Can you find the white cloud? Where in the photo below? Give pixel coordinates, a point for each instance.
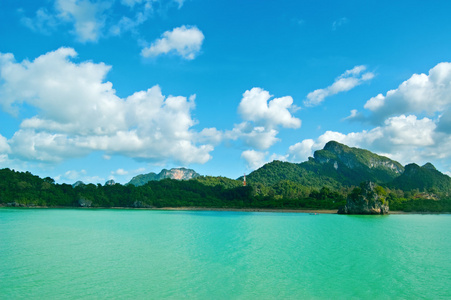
(403, 138)
(142, 10)
(185, 41)
(73, 175)
(254, 106)
(78, 112)
(210, 136)
(345, 82)
(87, 17)
(254, 159)
(4, 147)
(408, 130)
(444, 122)
(120, 172)
(355, 116)
(301, 151)
(421, 93)
(256, 137)
(262, 119)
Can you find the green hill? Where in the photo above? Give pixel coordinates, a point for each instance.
(336, 165)
(425, 178)
(323, 182)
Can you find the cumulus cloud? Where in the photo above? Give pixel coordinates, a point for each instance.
(421, 93)
(262, 119)
(78, 112)
(403, 138)
(120, 172)
(4, 146)
(254, 159)
(355, 116)
(210, 136)
(74, 175)
(254, 106)
(87, 17)
(345, 82)
(413, 120)
(185, 41)
(256, 137)
(301, 151)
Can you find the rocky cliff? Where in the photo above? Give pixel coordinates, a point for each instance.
(175, 173)
(335, 153)
(368, 199)
(354, 165)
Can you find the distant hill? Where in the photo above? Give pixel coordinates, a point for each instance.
(325, 181)
(175, 173)
(351, 166)
(334, 166)
(422, 178)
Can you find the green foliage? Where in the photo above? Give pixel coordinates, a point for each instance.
(277, 171)
(323, 182)
(425, 178)
(225, 182)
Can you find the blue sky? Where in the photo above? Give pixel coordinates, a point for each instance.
(96, 90)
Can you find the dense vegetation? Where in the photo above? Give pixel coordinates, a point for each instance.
(25, 189)
(323, 182)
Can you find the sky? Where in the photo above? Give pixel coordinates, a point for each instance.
(94, 90)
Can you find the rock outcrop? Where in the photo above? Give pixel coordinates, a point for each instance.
(356, 158)
(175, 173)
(369, 199)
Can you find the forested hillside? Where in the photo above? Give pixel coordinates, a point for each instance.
(323, 182)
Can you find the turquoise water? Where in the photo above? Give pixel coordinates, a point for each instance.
(141, 254)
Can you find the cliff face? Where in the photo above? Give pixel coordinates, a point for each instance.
(366, 200)
(353, 158)
(348, 162)
(178, 174)
(175, 173)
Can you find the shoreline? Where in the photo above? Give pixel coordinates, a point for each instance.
(195, 208)
(188, 208)
(317, 211)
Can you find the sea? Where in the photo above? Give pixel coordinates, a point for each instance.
(154, 254)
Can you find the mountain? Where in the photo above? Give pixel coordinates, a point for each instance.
(175, 173)
(422, 178)
(334, 166)
(351, 166)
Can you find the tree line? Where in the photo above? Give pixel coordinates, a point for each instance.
(26, 189)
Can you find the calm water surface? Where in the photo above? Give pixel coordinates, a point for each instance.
(138, 254)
